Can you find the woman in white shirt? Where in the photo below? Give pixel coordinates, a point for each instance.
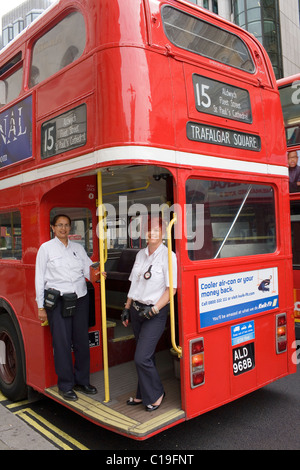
(63, 265)
(147, 307)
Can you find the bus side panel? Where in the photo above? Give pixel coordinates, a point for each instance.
(274, 132)
(141, 118)
(40, 372)
(61, 88)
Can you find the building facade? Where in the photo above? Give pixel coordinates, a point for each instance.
(275, 23)
(18, 18)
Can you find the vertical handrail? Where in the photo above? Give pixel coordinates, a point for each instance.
(101, 216)
(178, 349)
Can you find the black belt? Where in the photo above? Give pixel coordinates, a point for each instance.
(138, 305)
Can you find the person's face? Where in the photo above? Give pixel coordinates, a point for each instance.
(62, 228)
(154, 234)
(292, 159)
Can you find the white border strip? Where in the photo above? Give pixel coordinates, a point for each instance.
(134, 152)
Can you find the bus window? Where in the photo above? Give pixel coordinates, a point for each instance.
(198, 36)
(10, 231)
(58, 48)
(81, 230)
(226, 219)
(295, 220)
(116, 233)
(11, 82)
(290, 102)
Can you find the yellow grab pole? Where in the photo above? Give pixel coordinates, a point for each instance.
(101, 220)
(178, 349)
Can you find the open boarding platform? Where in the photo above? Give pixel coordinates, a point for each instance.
(116, 415)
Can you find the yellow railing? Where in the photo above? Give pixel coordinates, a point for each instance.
(178, 349)
(102, 257)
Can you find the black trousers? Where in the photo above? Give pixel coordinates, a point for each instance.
(68, 333)
(147, 334)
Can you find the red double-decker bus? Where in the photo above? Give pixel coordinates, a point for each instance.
(289, 89)
(111, 110)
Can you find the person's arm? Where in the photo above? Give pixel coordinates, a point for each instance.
(164, 300)
(125, 312)
(40, 268)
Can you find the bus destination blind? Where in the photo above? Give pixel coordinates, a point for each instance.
(64, 132)
(220, 99)
(220, 136)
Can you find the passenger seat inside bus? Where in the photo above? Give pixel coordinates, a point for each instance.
(124, 266)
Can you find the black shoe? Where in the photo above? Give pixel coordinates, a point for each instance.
(88, 389)
(132, 402)
(69, 395)
(155, 407)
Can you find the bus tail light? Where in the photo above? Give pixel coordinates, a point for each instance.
(197, 362)
(281, 337)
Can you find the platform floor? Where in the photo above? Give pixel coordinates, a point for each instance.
(116, 415)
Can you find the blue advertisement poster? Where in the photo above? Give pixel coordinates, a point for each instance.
(238, 295)
(16, 133)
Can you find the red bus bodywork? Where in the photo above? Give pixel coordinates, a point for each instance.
(136, 87)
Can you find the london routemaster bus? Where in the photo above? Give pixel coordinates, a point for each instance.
(289, 89)
(112, 110)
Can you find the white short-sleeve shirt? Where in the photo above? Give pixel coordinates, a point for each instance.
(149, 291)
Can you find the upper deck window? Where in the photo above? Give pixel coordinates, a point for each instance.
(198, 36)
(11, 75)
(58, 48)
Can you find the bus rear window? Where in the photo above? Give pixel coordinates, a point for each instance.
(229, 219)
(198, 36)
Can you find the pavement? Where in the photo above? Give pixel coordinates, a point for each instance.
(15, 434)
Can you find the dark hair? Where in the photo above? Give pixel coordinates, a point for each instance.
(56, 217)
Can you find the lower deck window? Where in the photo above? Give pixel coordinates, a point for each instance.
(11, 239)
(229, 219)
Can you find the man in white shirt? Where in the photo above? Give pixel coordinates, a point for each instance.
(63, 265)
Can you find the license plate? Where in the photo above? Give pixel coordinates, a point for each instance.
(243, 359)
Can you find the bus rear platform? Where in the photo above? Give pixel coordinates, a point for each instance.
(116, 415)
